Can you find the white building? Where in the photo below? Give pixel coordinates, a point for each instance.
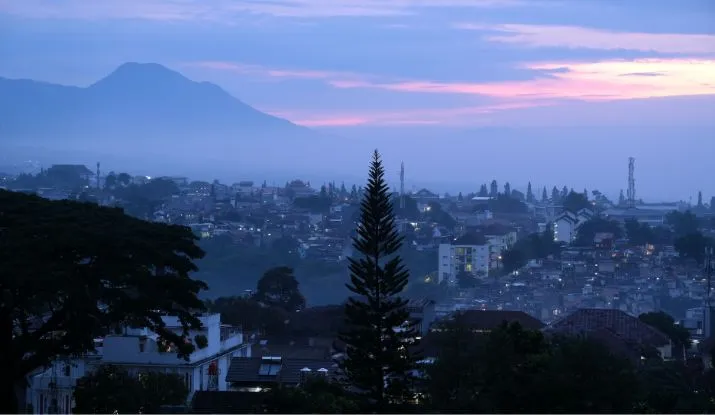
(137, 351)
(470, 253)
(566, 225)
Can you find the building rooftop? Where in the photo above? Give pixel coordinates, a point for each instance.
(471, 238)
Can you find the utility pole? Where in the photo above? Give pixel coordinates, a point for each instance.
(708, 307)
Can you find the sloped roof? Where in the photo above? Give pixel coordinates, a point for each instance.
(425, 193)
(492, 319)
(629, 328)
(567, 216)
(246, 369)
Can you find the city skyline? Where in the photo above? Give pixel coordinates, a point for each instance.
(604, 79)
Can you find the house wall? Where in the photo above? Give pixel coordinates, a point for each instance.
(456, 258)
(564, 231)
(125, 351)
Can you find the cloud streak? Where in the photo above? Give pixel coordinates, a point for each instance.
(225, 10)
(471, 115)
(595, 81)
(585, 81)
(264, 72)
(573, 37)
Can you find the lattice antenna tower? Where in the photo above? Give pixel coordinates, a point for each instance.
(402, 186)
(98, 187)
(631, 195)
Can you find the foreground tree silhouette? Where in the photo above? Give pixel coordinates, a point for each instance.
(70, 272)
(378, 363)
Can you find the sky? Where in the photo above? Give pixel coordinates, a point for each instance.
(579, 84)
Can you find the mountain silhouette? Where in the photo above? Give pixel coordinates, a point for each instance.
(138, 103)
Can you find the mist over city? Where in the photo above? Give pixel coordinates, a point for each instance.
(374, 206)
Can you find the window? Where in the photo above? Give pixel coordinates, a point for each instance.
(67, 370)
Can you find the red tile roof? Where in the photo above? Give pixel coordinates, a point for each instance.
(627, 327)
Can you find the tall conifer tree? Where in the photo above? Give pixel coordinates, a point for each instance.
(529, 194)
(378, 361)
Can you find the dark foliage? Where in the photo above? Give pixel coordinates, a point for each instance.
(512, 370)
(250, 315)
(315, 396)
(279, 288)
(110, 389)
(436, 214)
(692, 246)
(588, 230)
(314, 204)
(575, 201)
(533, 246)
(682, 223)
(71, 271)
(639, 233)
(506, 204)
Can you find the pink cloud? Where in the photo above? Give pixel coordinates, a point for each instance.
(653, 112)
(473, 115)
(581, 37)
(226, 10)
(586, 81)
(567, 82)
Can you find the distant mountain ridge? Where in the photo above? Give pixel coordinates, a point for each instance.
(137, 103)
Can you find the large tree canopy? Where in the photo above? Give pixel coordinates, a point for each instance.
(279, 288)
(71, 271)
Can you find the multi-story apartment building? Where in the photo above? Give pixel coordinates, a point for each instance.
(471, 253)
(137, 351)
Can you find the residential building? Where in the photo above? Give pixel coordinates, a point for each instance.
(469, 253)
(653, 216)
(259, 374)
(137, 351)
(567, 223)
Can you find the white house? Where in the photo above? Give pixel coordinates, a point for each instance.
(566, 225)
(470, 253)
(565, 228)
(137, 351)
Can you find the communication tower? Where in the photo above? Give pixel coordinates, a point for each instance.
(631, 195)
(402, 186)
(97, 175)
